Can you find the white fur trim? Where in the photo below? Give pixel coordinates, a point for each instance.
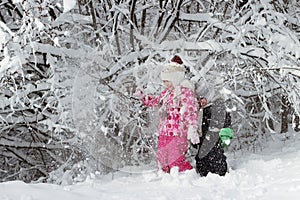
(175, 77)
(173, 72)
(173, 67)
(188, 84)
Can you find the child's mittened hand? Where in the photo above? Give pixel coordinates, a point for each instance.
(193, 135)
(195, 140)
(139, 93)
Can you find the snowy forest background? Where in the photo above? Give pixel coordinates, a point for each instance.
(69, 69)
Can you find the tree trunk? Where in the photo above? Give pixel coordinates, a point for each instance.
(297, 123)
(116, 34)
(284, 114)
(132, 18)
(94, 18)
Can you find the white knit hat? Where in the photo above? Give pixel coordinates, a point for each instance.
(173, 72)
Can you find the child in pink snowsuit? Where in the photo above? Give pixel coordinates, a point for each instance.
(178, 118)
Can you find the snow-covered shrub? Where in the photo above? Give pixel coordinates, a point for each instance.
(36, 137)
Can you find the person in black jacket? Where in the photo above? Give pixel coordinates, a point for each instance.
(210, 156)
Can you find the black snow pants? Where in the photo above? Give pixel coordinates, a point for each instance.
(213, 162)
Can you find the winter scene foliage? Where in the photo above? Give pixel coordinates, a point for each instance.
(69, 70)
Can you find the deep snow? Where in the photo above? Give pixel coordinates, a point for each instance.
(273, 173)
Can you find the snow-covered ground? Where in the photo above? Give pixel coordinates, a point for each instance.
(273, 174)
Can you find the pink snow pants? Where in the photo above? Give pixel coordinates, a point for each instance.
(171, 152)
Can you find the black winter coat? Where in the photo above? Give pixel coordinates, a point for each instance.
(210, 156)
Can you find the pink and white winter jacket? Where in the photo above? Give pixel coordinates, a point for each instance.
(178, 113)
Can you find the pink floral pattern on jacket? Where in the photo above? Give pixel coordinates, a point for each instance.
(177, 113)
